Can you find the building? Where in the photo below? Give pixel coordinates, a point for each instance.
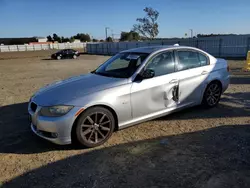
(41, 39)
(76, 41)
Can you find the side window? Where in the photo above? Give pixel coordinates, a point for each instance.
(191, 59)
(203, 59)
(162, 63)
(188, 60)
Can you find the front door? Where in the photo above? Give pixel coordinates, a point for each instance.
(157, 94)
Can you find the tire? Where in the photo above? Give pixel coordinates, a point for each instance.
(58, 57)
(212, 94)
(94, 127)
(74, 56)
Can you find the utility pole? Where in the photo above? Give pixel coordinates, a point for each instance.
(106, 32)
(191, 33)
(112, 34)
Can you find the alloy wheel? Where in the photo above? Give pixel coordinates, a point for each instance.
(213, 94)
(95, 127)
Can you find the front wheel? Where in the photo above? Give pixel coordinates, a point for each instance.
(58, 57)
(74, 56)
(212, 94)
(94, 127)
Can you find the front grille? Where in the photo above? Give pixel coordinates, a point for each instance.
(33, 107)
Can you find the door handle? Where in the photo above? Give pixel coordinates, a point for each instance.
(174, 81)
(204, 72)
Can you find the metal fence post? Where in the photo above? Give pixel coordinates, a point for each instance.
(107, 49)
(220, 45)
(117, 47)
(197, 43)
(248, 45)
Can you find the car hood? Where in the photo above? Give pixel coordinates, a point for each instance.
(62, 92)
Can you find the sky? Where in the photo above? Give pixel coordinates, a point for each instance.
(27, 18)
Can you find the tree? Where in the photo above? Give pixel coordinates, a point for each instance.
(49, 38)
(213, 35)
(147, 26)
(129, 36)
(95, 40)
(101, 40)
(82, 37)
(65, 39)
(109, 39)
(71, 39)
(56, 38)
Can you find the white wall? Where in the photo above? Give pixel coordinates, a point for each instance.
(42, 40)
(37, 47)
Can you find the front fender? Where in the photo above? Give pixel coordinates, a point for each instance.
(117, 98)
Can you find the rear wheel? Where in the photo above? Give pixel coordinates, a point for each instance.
(74, 56)
(94, 127)
(212, 94)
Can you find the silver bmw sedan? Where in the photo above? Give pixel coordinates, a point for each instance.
(131, 87)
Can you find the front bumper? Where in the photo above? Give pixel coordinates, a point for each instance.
(53, 129)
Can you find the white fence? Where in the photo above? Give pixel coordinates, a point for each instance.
(220, 46)
(36, 47)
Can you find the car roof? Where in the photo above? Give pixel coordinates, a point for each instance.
(66, 49)
(151, 49)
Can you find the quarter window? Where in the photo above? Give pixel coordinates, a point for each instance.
(191, 59)
(203, 59)
(162, 63)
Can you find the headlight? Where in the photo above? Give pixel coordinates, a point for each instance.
(31, 97)
(55, 111)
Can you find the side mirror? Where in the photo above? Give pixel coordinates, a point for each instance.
(148, 73)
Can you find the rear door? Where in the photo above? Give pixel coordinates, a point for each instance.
(194, 67)
(71, 53)
(63, 54)
(67, 54)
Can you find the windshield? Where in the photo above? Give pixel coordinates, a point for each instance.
(122, 65)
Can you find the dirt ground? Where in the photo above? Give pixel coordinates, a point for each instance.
(196, 147)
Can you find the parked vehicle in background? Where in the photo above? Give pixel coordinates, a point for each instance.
(65, 54)
(131, 87)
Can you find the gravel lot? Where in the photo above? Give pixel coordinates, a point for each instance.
(192, 148)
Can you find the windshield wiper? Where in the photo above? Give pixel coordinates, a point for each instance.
(101, 73)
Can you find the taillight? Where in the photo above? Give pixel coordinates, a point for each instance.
(228, 69)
